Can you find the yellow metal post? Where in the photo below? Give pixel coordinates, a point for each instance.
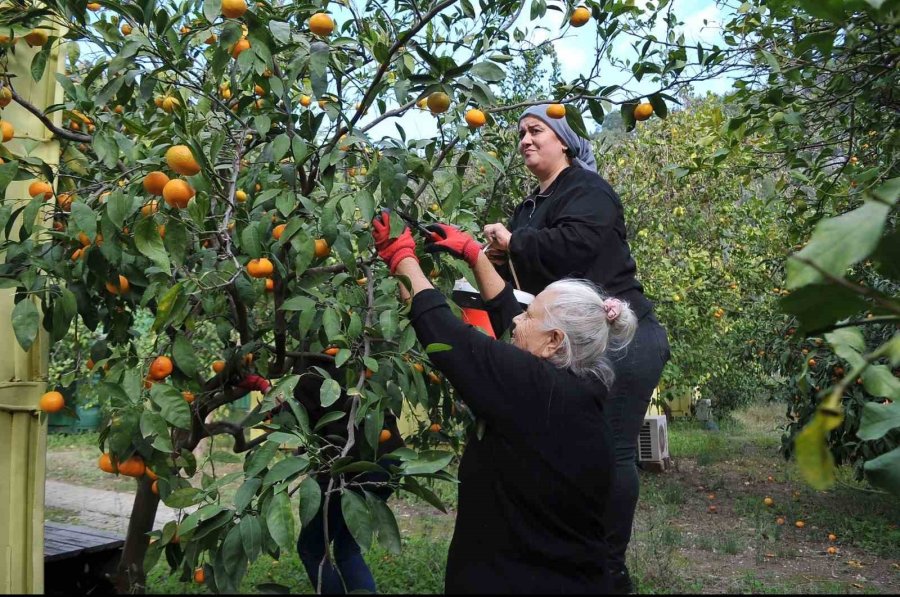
(23, 436)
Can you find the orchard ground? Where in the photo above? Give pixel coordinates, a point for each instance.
(681, 544)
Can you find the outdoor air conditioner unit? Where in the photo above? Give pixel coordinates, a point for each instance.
(653, 441)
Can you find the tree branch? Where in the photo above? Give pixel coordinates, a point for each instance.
(59, 132)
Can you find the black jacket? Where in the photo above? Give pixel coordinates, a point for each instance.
(575, 229)
(534, 487)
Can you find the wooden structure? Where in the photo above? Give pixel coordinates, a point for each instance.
(79, 559)
(23, 432)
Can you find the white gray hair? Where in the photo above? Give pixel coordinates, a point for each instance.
(577, 309)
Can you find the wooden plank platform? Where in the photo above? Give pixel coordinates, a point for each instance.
(79, 559)
(63, 541)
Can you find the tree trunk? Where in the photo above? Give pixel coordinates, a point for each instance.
(131, 576)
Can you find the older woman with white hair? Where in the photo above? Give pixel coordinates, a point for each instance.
(573, 225)
(533, 487)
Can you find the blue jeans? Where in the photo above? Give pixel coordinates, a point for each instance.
(347, 557)
(348, 563)
(637, 374)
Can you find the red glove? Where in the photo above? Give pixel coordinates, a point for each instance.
(392, 250)
(451, 239)
(254, 383)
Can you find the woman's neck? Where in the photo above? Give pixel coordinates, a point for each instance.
(545, 181)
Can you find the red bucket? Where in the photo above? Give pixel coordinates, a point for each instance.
(473, 313)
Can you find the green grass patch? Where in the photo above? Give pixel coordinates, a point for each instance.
(419, 569)
(72, 441)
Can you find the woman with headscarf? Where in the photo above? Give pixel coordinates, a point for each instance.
(573, 225)
(534, 485)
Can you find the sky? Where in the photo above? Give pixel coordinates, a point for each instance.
(575, 52)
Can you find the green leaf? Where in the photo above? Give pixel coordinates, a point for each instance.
(286, 468)
(878, 419)
(837, 243)
(149, 242)
(659, 105)
(154, 429)
(184, 497)
(232, 551)
(85, 219)
(251, 536)
(814, 459)
(260, 458)
(280, 521)
(173, 407)
(25, 322)
(818, 306)
(318, 63)
(211, 9)
(39, 62)
(428, 462)
(358, 518)
(245, 493)
(437, 347)
(119, 207)
(879, 381)
(250, 242)
(310, 495)
(329, 392)
(488, 71)
(385, 525)
(8, 173)
(884, 471)
(185, 356)
(298, 303)
(573, 117)
(329, 418)
(280, 31)
(389, 321)
(331, 323)
(889, 191)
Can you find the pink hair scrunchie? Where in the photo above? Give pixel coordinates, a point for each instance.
(613, 308)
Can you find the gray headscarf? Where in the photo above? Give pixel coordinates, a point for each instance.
(579, 148)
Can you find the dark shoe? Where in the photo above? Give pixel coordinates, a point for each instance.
(621, 583)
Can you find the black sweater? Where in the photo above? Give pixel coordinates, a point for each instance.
(532, 490)
(575, 229)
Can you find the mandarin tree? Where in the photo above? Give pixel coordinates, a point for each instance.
(214, 113)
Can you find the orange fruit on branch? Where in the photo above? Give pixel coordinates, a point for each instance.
(122, 288)
(155, 182)
(126, 29)
(188, 396)
(40, 187)
(199, 576)
(438, 102)
(278, 231)
(643, 111)
(178, 193)
(133, 467)
(7, 130)
(580, 16)
(105, 463)
(270, 285)
(321, 24)
(240, 46)
(154, 487)
(384, 436)
(218, 366)
(260, 268)
(52, 402)
(435, 428)
(149, 208)
(181, 159)
(556, 111)
(232, 9)
(36, 38)
(161, 368)
(332, 350)
(322, 248)
(475, 118)
(305, 101)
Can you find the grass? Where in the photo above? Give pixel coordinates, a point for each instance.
(419, 569)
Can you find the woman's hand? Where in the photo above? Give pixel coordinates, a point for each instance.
(392, 250)
(498, 237)
(451, 239)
